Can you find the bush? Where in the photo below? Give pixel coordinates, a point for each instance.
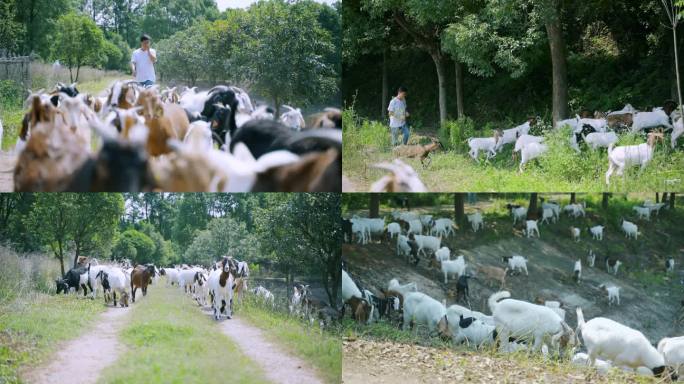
(454, 133)
(10, 93)
(21, 275)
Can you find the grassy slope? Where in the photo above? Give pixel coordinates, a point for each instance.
(323, 350)
(561, 169)
(170, 340)
(31, 327)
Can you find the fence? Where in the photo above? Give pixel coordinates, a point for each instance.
(16, 68)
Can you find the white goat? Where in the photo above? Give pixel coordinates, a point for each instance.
(531, 151)
(523, 320)
(656, 118)
(669, 265)
(597, 232)
(472, 331)
(623, 346)
(423, 309)
(576, 210)
(427, 242)
(510, 135)
(531, 227)
(403, 179)
(672, 349)
(591, 258)
(577, 270)
(642, 213)
(524, 140)
(600, 139)
(415, 227)
(442, 228)
(581, 359)
(403, 247)
(623, 157)
(486, 144)
(519, 214)
(572, 123)
(630, 229)
(547, 213)
(442, 254)
(516, 262)
(454, 312)
(222, 295)
(556, 307)
(264, 294)
(553, 207)
(394, 285)
(293, 118)
(677, 131)
(456, 266)
(393, 229)
(613, 293)
(476, 221)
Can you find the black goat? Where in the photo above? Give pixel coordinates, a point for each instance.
(72, 279)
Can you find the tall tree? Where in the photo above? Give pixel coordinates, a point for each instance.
(374, 207)
(78, 42)
(533, 210)
(554, 30)
(459, 211)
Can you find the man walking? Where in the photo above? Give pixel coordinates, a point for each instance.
(398, 115)
(142, 62)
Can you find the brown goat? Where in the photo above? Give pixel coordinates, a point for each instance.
(314, 172)
(140, 277)
(165, 121)
(623, 120)
(494, 273)
(329, 118)
(52, 154)
(422, 151)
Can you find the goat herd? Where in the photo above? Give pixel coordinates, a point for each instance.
(600, 131)
(215, 287)
(514, 324)
(172, 140)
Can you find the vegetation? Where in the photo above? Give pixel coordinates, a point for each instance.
(560, 169)
(322, 349)
(32, 322)
(163, 339)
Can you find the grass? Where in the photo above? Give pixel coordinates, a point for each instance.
(170, 340)
(310, 343)
(561, 169)
(31, 328)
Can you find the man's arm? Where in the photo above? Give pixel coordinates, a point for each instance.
(133, 69)
(153, 55)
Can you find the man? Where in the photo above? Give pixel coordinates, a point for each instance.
(142, 62)
(398, 115)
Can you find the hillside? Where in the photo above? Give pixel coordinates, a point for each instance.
(650, 299)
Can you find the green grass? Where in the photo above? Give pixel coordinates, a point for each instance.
(170, 340)
(310, 343)
(560, 169)
(31, 327)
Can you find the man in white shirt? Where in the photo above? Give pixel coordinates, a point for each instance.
(142, 62)
(398, 115)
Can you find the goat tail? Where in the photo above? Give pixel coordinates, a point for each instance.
(494, 299)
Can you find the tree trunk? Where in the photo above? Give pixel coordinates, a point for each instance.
(554, 31)
(78, 70)
(458, 207)
(71, 75)
(673, 197)
(76, 254)
(573, 198)
(604, 202)
(664, 198)
(679, 88)
(60, 256)
(657, 198)
(438, 59)
(385, 86)
(532, 211)
(460, 112)
(374, 205)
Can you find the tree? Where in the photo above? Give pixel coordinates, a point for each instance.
(223, 237)
(11, 31)
(673, 10)
(532, 210)
(135, 246)
(554, 31)
(459, 211)
(164, 18)
(374, 210)
(605, 199)
(67, 220)
(78, 42)
(283, 53)
(183, 53)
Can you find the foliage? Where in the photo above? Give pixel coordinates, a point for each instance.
(135, 246)
(223, 237)
(453, 134)
(78, 42)
(11, 31)
(162, 19)
(183, 53)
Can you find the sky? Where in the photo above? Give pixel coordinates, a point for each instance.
(223, 4)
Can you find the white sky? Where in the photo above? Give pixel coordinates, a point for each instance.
(223, 4)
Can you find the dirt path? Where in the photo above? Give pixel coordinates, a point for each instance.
(7, 162)
(80, 361)
(278, 365)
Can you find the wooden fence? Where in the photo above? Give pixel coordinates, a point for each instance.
(16, 68)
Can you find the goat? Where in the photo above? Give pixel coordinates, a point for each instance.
(519, 213)
(656, 118)
(623, 346)
(402, 179)
(672, 349)
(329, 118)
(456, 266)
(393, 229)
(613, 293)
(476, 221)
(418, 151)
(426, 242)
(596, 232)
(264, 294)
(140, 277)
(622, 157)
(600, 139)
(221, 283)
(630, 229)
(577, 271)
(612, 265)
(293, 118)
(547, 213)
(362, 309)
(531, 227)
(510, 135)
(575, 233)
(421, 308)
(642, 213)
(669, 265)
(531, 151)
(516, 262)
(487, 144)
(524, 320)
(443, 227)
(114, 280)
(494, 273)
(462, 288)
(677, 131)
(165, 121)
